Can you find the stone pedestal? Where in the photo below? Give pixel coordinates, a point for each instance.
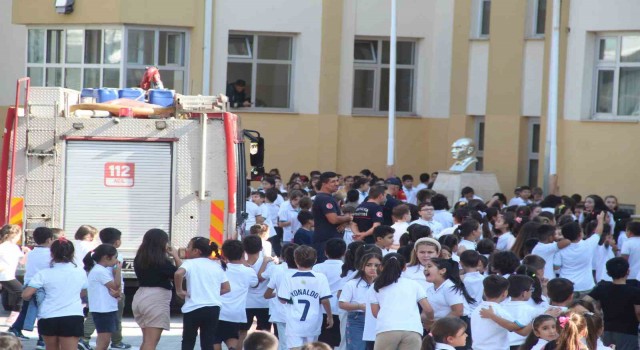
(451, 183)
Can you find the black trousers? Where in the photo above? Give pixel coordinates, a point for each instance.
(204, 319)
(13, 289)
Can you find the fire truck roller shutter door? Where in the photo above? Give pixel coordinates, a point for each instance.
(126, 185)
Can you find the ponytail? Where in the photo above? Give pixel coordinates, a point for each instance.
(208, 249)
(594, 325)
(441, 330)
(527, 270)
(453, 274)
(392, 266)
(93, 257)
(571, 324)
(466, 228)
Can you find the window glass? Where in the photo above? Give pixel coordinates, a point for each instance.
(74, 46)
(111, 77)
(274, 48)
(404, 90)
(630, 50)
(140, 47)
(91, 78)
(485, 22)
(134, 76)
(533, 172)
(629, 91)
(54, 77)
(72, 78)
(481, 136)
(37, 76)
(112, 46)
(363, 88)
(541, 16)
(608, 47)
(272, 85)
(92, 46)
(35, 47)
(365, 50)
(404, 52)
(173, 79)
(240, 45)
(535, 139)
(54, 47)
(171, 48)
(604, 103)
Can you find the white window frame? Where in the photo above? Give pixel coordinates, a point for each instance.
(377, 66)
(479, 120)
(615, 66)
(531, 155)
(254, 60)
(122, 66)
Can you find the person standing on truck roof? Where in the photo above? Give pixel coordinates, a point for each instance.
(155, 272)
(326, 213)
(10, 255)
(237, 95)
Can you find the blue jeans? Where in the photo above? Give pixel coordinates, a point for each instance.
(355, 328)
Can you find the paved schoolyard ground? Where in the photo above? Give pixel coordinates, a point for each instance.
(171, 340)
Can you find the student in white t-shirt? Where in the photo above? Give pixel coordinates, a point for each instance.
(304, 293)
(206, 282)
(383, 236)
(503, 227)
(271, 208)
(83, 243)
(276, 274)
(334, 250)
(472, 278)
(38, 259)
(288, 216)
(544, 331)
(447, 333)
(490, 322)
(401, 216)
(353, 299)
(631, 251)
(232, 312)
(547, 248)
(520, 290)
(423, 251)
(441, 212)
(10, 255)
(605, 251)
(257, 305)
(469, 232)
(392, 293)
(575, 261)
(426, 219)
(60, 311)
(448, 294)
(105, 281)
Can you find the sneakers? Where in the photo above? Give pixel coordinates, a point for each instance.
(84, 345)
(17, 333)
(120, 346)
(40, 345)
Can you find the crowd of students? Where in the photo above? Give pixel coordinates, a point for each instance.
(389, 266)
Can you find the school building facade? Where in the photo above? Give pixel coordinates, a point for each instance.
(317, 72)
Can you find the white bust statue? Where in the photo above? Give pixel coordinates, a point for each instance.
(464, 152)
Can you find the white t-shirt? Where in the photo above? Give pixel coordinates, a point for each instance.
(524, 313)
(435, 226)
(505, 241)
(270, 216)
(370, 322)
(204, 277)
(81, 249)
(603, 254)
(275, 274)
(99, 298)
(547, 251)
(443, 298)
(304, 291)
(542, 307)
(632, 248)
(575, 263)
(399, 306)
(622, 238)
(255, 297)
(287, 213)
(10, 255)
(332, 269)
(252, 210)
(475, 288)
(400, 228)
(416, 273)
(444, 217)
(468, 245)
(38, 259)
(234, 303)
(488, 335)
(448, 230)
(518, 201)
(62, 285)
(355, 291)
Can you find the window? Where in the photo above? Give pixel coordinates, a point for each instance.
(533, 148)
(485, 18)
(93, 57)
(617, 78)
(371, 76)
(265, 63)
(479, 139)
(540, 17)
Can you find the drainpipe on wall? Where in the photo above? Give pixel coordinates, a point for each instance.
(206, 49)
(551, 149)
(392, 91)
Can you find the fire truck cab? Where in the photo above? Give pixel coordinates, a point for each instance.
(184, 174)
